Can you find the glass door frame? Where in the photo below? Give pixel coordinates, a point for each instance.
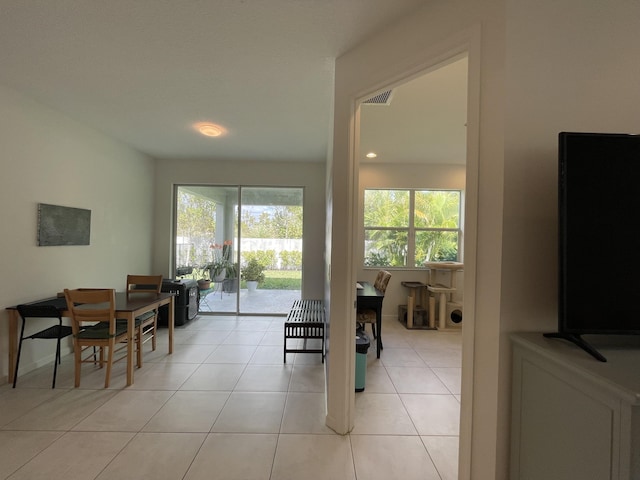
(217, 300)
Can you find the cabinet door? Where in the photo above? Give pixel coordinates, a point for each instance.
(564, 432)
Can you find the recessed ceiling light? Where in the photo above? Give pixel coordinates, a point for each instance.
(210, 129)
(371, 155)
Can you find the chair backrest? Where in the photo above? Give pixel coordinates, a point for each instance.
(38, 311)
(144, 283)
(382, 280)
(88, 306)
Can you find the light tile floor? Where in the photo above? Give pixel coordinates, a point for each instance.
(224, 406)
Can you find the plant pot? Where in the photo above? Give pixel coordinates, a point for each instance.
(204, 284)
(252, 285)
(220, 277)
(230, 285)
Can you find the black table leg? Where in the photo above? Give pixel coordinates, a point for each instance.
(379, 331)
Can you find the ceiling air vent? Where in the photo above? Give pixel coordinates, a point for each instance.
(383, 98)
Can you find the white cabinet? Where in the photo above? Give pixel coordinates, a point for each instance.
(574, 417)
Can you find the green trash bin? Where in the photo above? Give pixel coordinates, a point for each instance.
(362, 347)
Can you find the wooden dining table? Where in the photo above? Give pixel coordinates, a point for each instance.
(128, 307)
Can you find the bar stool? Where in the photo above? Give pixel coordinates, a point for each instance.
(57, 332)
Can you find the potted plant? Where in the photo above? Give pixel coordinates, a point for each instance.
(202, 275)
(232, 270)
(230, 283)
(253, 274)
(217, 270)
(221, 265)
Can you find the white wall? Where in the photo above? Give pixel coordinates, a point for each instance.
(544, 67)
(572, 65)
(401, 176)
(310, 176)
(48, 158)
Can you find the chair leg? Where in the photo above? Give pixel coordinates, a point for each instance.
(77, 355)
(138, 341)
(15, 373)
(155, 331)
(107, 376)
(55, 364)
(102, 357)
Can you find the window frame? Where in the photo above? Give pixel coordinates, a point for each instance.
(411, 230)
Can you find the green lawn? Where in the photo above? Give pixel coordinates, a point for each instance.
(274, 279)
(280, 280)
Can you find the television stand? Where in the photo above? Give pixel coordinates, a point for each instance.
(579, 341)
(572, 417)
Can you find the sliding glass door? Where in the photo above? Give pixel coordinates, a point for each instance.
(271, 244)
(242, 244)
(206, 248)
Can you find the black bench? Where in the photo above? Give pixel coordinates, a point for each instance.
(305, 321)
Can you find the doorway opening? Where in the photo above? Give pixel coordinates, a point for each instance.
(415, 137)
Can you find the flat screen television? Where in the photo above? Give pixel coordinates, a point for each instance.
(599, 249)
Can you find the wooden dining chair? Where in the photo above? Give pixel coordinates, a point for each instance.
(367, 315)
(146, 324)
(56, 331)
(94, 325)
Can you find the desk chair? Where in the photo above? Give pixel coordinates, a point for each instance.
(146, 324)
(57, 332)
(94, 324)
(365, 316)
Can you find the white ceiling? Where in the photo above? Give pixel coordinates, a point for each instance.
(144, 71)
(424, 120)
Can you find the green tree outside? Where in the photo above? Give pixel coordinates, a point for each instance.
(387, 220)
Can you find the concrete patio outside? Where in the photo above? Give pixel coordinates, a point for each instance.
(260, 301)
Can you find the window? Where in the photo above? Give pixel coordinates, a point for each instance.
(405, 228)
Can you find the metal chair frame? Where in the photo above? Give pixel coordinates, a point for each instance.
(57, 332)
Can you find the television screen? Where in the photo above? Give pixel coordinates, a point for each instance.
(599, 255)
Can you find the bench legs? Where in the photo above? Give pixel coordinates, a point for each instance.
(305, 321)
(296, 332)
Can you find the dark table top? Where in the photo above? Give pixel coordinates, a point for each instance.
(123, 302)
(368, 290)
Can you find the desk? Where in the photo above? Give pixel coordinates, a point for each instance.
(369, 297)
(127, 307)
